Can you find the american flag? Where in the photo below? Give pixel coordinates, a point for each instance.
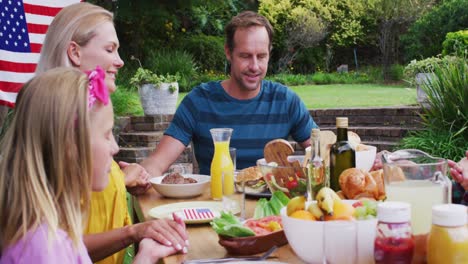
(198, 214)
(23, 24)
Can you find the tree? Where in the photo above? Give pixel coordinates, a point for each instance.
(424, 38)
(394, 17)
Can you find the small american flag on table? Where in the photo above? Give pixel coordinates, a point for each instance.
(197, 213)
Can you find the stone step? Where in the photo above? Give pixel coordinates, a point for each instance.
(382, 145)
(408, 115)
(140, 153)
(140, 139)
(376, 133)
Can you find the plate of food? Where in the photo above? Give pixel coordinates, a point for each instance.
(255, 185)
(176, 185)
(248, 237)
(191, 212)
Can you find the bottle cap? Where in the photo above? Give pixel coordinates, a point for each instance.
(449, 215)
(394, 212)
(342, 122)
(315, 132)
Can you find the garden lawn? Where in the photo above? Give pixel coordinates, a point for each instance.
(314, 96)
(352, 95)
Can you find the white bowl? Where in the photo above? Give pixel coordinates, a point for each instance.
(311, 239)
(365, 158)
(181, 190)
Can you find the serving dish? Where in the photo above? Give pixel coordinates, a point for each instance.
(336, 241)
(253, 244)
(181, 190)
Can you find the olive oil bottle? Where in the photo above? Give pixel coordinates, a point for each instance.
(316, 172)
(342, 154)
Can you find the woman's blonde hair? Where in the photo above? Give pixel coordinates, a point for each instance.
(76, 23)
(45, 166)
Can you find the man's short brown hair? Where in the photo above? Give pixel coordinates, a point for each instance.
(246, 19)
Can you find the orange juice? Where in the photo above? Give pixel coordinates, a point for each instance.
(220, 164)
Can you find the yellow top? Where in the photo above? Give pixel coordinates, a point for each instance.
(108, 210)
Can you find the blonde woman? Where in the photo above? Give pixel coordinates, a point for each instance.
(83, 36)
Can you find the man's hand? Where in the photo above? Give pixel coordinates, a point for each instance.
(459, 171)
(136, 178)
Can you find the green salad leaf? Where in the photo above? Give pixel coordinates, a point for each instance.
(229, 225)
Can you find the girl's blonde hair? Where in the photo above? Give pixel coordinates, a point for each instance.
(45, 163)
(75, 22)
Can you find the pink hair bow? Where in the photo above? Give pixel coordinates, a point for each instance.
(97, 87)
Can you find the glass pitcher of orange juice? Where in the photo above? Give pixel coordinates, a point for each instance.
(221, 165)
(415, 177)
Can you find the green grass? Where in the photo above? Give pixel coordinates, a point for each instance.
(355, 95)
(314, 96)
(352, 95)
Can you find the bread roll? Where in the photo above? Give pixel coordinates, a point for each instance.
(356, 183)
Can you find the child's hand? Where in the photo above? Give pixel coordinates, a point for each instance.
(150, 251)
(136, 178)
(459, 171)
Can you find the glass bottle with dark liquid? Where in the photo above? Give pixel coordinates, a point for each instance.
(342, 154)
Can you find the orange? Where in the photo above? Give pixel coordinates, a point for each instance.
(341, 211)
(303, 214)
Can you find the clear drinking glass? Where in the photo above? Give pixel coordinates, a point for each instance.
(234, 202)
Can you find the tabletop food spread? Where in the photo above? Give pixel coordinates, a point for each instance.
(280, 211)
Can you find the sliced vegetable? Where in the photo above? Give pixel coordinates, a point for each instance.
(272, 207)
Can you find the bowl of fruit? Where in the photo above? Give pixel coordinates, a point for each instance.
(339, 229)
(290, 180)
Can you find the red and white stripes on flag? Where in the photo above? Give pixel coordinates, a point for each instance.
(23, 25)
(198, 214)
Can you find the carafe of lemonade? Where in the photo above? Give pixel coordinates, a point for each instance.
(415, 177)
(221, 165)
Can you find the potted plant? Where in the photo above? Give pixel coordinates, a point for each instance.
(158, 93)
(421, 72)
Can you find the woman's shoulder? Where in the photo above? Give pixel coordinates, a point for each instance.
(38, 246)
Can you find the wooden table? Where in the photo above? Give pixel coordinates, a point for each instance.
(203, 239)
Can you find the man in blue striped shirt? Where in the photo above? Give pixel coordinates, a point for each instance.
(257, 110)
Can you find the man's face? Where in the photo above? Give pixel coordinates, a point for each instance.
(249, 57)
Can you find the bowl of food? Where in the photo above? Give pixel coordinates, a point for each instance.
(288, 179)
(340, 238)
(250, 237)
(365, 156)
(176, 185)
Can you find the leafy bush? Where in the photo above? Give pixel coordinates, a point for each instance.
(456, 43)
(290, 79)
(172, 62)
(424, 38)
(427, 65)
(126, 102)
(447, 97)
(208, 51)
(439, 143)
(396, 72)
(446, 117)
(322, 78)
(207, 76)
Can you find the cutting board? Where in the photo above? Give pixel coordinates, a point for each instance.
(278, 151)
